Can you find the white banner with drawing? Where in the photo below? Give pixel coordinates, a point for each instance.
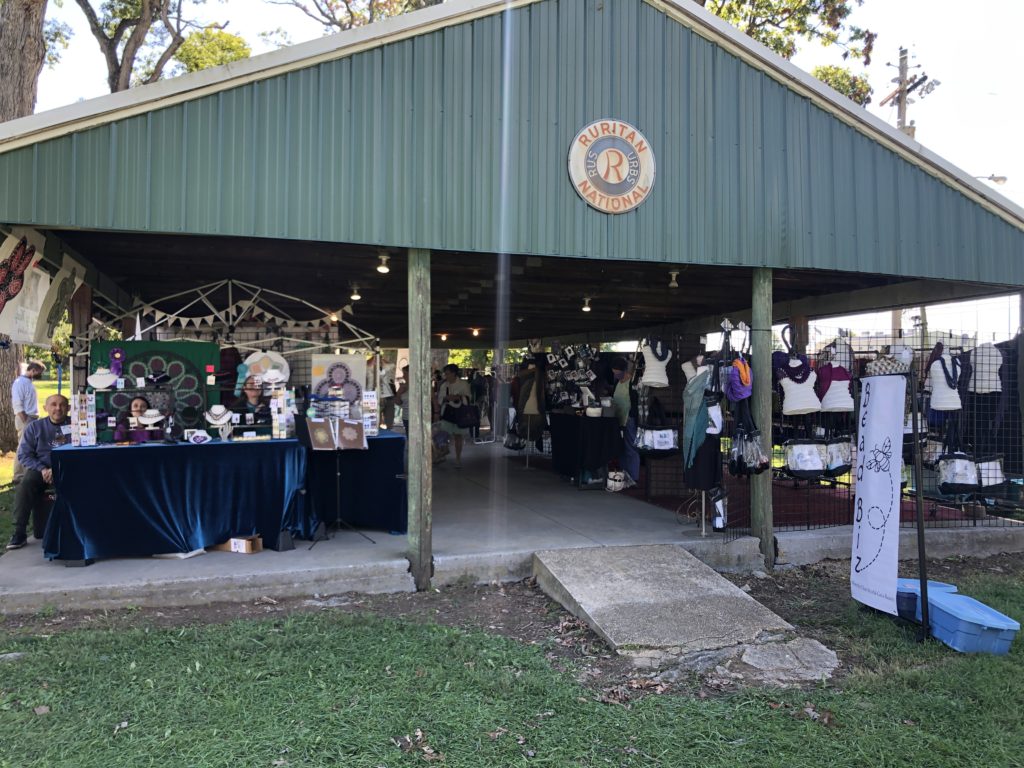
(874, 559)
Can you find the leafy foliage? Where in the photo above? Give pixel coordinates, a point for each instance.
(339, 15)
(211, 47)
(57, 36)
(780, 24)
(854, 87)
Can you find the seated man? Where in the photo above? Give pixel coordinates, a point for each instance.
(40, 437)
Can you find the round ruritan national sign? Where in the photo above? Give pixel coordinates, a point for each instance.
(611, 165)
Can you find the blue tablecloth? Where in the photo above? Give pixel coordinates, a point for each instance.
(373, 494)
(132, 501)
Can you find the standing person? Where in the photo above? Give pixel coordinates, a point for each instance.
(402, 397)
(387, 397)
(26, 406)
(452, 394)
(40, 438)
(625, 401)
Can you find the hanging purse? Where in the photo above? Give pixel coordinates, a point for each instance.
(806, 459)
(655, 433)
(990, 471)
(839, 456)
(957, 471)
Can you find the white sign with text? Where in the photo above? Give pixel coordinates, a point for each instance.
(874, 559)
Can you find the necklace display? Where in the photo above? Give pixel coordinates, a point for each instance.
(796, 373)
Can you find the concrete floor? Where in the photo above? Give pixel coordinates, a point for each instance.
(489, 519)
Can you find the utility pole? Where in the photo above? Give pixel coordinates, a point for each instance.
(905, 85)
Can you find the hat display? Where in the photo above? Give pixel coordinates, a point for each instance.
(261, 363)
(151, 416)
(102, 379)
(274, 376)
(218, 415)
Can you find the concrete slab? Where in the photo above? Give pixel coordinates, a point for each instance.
(656, 598)
(489, 519)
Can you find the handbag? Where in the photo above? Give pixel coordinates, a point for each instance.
(957, 471)
(885, 365)
(514, 442)
(655, 433)
(466, 416)
(806, 459)
(839, 456)
(649, 439)
(990, 471)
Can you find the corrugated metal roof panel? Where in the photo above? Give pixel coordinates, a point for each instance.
(457, 139)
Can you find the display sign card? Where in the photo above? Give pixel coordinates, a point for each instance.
(370, 423)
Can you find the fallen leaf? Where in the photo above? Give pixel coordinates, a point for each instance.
(120, 726)
(909, 722)
(497, 734)
(265, 601)
(42, 710)
(520, 740)
(530, 753)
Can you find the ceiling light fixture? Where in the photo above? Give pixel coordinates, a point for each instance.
(355, 293)
(383, 267)
(622, 314)
(444, 337)
(334, 317)
(672, 282)
(476, 331)
(519, 319)
(586, 304)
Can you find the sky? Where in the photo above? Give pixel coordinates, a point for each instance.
(974, 118)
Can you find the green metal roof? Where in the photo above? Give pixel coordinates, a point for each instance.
(449, 129)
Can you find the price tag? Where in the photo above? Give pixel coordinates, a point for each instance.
(248, 418)
(249, 434)
(111, 422)
(119, 384)
(210, 369)
(133, 422)
(140, 382)
(236, 418)
(211, 380)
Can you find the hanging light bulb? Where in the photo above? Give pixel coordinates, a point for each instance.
(444, 337)
(476, 331)
(334, 317)
(355, 293)
(622, 314)
(586, 304)
(383, 267)
(673, 283)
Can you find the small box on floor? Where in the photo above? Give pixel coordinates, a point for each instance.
(245, 545)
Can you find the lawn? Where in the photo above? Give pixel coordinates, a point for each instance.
(336, 688)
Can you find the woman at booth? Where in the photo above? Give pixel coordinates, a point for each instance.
(134, 424)
(253, 403)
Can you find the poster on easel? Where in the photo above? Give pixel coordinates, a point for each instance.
(339, 375)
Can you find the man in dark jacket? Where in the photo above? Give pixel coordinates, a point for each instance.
(38, 440)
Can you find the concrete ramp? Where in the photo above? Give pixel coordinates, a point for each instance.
(652, 602)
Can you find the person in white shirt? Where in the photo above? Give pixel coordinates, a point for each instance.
(25, 405)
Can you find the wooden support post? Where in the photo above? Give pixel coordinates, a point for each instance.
(761, 403)
(80, 314)
(419, 465)
(801, 332)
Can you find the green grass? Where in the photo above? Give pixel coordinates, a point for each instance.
(334, 689)
(46, 388)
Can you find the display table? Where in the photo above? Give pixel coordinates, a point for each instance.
(583, 443)
(135, 501)
(372, 484)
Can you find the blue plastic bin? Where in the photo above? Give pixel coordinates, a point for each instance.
(970, 626)
(908, 596)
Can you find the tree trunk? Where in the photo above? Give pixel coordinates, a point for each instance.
(9, 371)
(22, 52)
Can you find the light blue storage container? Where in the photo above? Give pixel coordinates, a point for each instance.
(908, 596)
(968, 625)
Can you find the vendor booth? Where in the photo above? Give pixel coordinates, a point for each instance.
(473, 176)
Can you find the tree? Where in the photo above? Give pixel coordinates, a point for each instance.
(854, 87)
(339, 15)
(138, 38)
(781, 24)
(22, 54)
(211, 47)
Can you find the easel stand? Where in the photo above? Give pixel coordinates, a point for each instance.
(337, 498)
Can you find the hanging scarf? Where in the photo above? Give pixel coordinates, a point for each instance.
(695, 416)
(952, 379)
(798, 374)
(659, 349)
